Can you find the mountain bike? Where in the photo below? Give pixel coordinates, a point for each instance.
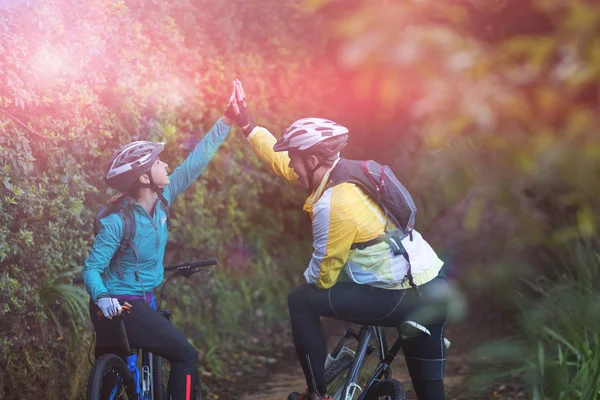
(116, 375)
(343, 364)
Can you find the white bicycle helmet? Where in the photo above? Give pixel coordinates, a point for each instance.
(130, 162)
(317, 135)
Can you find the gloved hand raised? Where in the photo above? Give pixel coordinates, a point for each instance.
(237, 108)
(110, 307)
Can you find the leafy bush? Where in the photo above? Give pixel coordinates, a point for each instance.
(80, 78)
(489, 123)
(492, 123)
(485, 118)
(557, 349)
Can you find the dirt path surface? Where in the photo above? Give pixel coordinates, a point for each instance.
(280, 379)
(278, 385)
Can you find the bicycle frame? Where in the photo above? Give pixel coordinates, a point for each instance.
(364, 349)
(143, 387)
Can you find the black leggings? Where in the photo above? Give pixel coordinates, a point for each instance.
(367, 305)
(148, 329)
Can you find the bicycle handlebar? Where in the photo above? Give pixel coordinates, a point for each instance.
(193, 264)
(186, 269)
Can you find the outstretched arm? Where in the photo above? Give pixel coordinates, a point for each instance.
(194, 164)
(261, 140)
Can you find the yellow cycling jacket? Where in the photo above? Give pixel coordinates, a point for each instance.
(342, 215)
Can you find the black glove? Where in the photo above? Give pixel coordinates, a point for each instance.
(242, 119)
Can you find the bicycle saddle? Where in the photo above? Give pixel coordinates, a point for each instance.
(410, 329)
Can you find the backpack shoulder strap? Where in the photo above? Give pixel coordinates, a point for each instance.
(339, 173)
(357, 172)
(125, 212)
(345, 171)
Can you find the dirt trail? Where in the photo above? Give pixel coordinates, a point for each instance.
(465, 336)
(278, 385)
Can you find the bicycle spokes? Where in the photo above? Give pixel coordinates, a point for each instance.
(113, 388)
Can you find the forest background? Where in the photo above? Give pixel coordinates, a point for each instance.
(488, 111)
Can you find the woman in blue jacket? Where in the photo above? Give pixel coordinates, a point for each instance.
(137, 171)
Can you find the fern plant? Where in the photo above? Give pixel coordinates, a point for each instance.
(557, 350)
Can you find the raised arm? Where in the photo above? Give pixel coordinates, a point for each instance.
(196, 162)
(260, 139)
(262, 142)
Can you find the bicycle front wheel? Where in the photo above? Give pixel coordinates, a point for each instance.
(110, 379)
(338, 368)
(387, 389)
(160, 377)
(336, 374)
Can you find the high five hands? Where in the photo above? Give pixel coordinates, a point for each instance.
(237, 109)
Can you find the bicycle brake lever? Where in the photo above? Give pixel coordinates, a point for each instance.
(188, 272)
(204, 270)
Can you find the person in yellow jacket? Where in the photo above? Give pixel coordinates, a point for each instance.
(364, 285)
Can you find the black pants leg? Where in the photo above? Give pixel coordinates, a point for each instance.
(309, 338)
(426, 357)
(364, 305)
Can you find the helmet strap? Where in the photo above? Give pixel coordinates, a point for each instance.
(310, 172)
(150, 185)
(153, 185)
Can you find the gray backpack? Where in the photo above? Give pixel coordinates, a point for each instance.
(381, 185)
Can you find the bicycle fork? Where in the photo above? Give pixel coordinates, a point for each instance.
(384, 366)
(363, 351)
(143, 387)
(131, 360)
(147, 368)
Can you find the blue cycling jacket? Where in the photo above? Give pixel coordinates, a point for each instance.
(151, 231)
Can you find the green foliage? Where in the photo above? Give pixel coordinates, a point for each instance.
(491, 122)
(510, 123)
(491, 125)
(557, 350)
(79, 79)
(42, 236)
(67, 300)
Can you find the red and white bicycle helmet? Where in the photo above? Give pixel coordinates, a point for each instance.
(130, 162)
(315, 136)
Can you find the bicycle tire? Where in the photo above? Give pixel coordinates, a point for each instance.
(338, 367)
(159, 380)
(108, 371)
(336, 373)
(389, 389)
